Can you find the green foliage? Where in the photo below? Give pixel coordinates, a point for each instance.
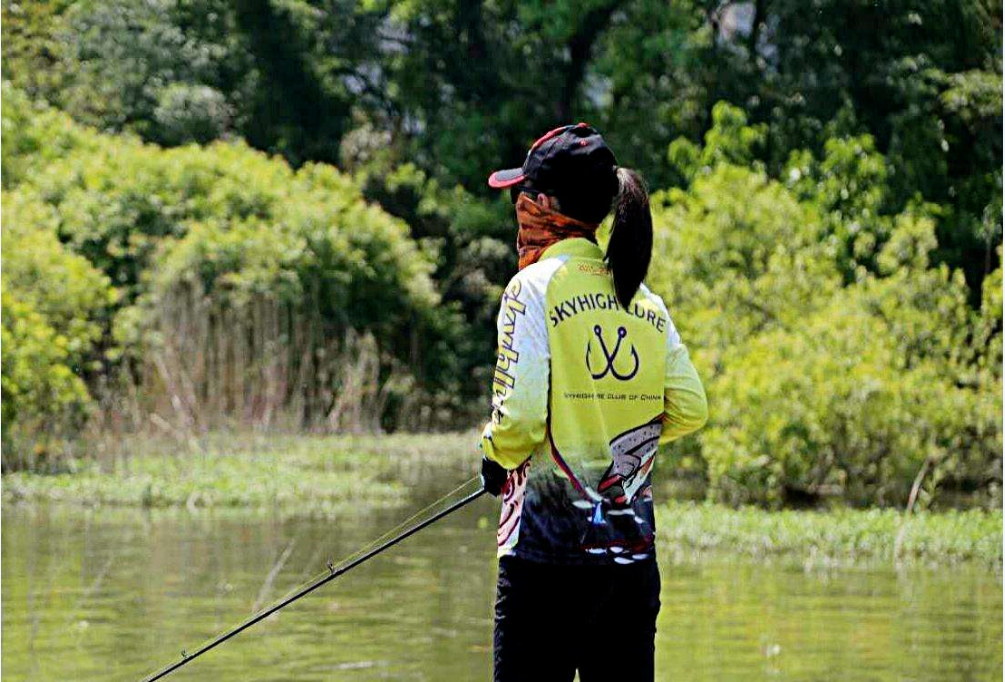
(305, 238)
(36, 135)
(831, 409)
(54, 307)
(974, 95)
(119, 203)
(235, 229)
(167, 70)
(43, 400)
(729, 140)
(849, 184)
(842, 536)
(58, 284)
(215, 479)
(31, 45)
(472, 242)
(827, 376)
(191, 113)
(736, 254)
(433, 80)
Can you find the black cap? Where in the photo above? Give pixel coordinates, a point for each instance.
(569, 160)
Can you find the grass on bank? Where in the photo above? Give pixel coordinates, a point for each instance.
(320, 475)
(299, 474)
(834, 536)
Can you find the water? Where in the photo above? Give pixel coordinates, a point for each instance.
(112, 594)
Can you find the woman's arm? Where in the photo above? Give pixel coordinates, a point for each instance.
(685, 408)
(520, 381)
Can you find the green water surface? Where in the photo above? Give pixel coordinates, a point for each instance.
(112, 594)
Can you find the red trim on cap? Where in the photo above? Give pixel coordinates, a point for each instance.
(496, 183)
(548, 135)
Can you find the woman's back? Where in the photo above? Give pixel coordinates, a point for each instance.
(580, 383)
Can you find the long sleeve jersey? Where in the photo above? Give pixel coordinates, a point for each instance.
(584, 391)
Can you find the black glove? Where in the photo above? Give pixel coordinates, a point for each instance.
(494, 477)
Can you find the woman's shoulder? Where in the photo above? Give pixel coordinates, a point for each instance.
(657, 300)
(536, 276)
(654, 297)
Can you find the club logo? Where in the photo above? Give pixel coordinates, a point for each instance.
(610, 357)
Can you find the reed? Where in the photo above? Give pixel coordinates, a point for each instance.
(260, 364)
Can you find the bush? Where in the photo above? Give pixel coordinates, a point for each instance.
(43, 400)
(55, 305)
(153, 67)
(190, 113)
(35, 135)
(833, 370)
(736, 254)
(217, 233)
(74, 298)
(830, 408)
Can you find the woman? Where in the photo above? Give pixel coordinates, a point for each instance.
(591, 376)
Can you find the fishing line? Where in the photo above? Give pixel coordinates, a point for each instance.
(451, 502)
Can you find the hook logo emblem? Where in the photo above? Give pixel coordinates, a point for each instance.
(610, 357)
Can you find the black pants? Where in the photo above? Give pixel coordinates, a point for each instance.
(554, 620)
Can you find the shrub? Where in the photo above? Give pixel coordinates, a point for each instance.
(831, 408)
(190, 113)
(833, 370)
(216, 233)
(55, 305)
(35, 135)
(72, 296)
(43, 400)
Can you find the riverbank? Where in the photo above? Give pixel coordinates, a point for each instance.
(309, 475)
(837, 536)
(306, 475)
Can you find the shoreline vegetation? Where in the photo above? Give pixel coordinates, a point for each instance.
(311, 475)
(838, 536)
(300, 473)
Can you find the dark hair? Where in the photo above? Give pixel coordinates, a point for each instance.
(630, 247)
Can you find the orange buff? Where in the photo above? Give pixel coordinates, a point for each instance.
(541, 227)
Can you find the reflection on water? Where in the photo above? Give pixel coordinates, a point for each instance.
(113, 594)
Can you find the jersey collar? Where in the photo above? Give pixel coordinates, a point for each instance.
(576, 247)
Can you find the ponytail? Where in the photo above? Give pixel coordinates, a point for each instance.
(630, 247)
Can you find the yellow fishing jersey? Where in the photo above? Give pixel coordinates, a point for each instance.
(584, 391)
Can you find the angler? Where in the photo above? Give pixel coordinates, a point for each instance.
(583, 348)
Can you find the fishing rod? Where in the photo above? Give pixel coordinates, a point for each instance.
(333, 572)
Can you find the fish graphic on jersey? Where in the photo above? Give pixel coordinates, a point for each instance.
(632, 455)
